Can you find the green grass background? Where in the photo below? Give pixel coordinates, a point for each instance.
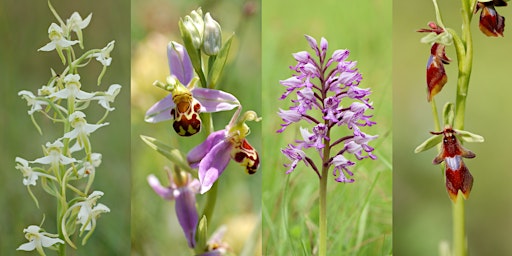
(155, 229)
(24, 26)
(422, 210)
(290, 202)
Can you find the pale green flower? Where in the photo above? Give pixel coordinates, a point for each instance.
(38, 240)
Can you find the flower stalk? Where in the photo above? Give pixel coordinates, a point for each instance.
(458, 179)
(67, 169)
(321, 83)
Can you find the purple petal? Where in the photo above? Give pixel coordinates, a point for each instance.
(301, 56)
(160, 111)
(214, 163)
(164, 192)
(340, 55)
(313, 44)
(214, 100)
(199, 152)
(187, 215)
(179, 62)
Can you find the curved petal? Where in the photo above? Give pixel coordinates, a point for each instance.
(213, 164)
(179, 62)
(30, 246)
(214, 100)
(48, 241)
(187, 215)
(160, 111)
(199, 152)
(164, 192)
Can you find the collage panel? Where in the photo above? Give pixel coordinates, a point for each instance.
(181, 204)
(300, 108)
(428, 216)
(65, 143)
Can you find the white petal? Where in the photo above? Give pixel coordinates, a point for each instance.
(30, 246)
(48, 47)
(48, 241)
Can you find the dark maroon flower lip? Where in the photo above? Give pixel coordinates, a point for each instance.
(491, 23)
(458, 177)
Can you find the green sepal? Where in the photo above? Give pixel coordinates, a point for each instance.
(429, 143)
(201, 235)
(448, 114)
(169, 152)
(469, 137)
(218, 65)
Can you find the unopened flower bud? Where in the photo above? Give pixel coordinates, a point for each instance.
(212, 40)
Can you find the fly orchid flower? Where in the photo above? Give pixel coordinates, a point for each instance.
(491, 23)
(436, 75)
(339, 82)
(38, 239)
(182, 189)
(458, 177)
(212, 156)
(184, 103)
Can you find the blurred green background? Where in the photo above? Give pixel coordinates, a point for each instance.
(24, 26)
(422, 210)
(154, 23)
(290, 202)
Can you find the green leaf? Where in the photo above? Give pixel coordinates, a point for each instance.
(218, 65)
(469, 137)
(169, 152)
(429, 143)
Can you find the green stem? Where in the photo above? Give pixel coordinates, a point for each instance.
(459, 229)
(465, 60)
(322, 250)
(211, 200)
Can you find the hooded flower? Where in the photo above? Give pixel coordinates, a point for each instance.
(326, 87)
(491, 23)
(81, 129)
(212, 156)
(183, 190)
(90, 211)
(184, 103)
(38, 239)
(58, 41)
(72, 90)
(54, 156)
(75, 23)
(436, 75)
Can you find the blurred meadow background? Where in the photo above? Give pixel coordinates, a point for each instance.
(24, 26)
(422, 216)
(155, 229)
(359, 214)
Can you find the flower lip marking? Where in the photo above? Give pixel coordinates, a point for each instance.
(457, 174)
(186, 113)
